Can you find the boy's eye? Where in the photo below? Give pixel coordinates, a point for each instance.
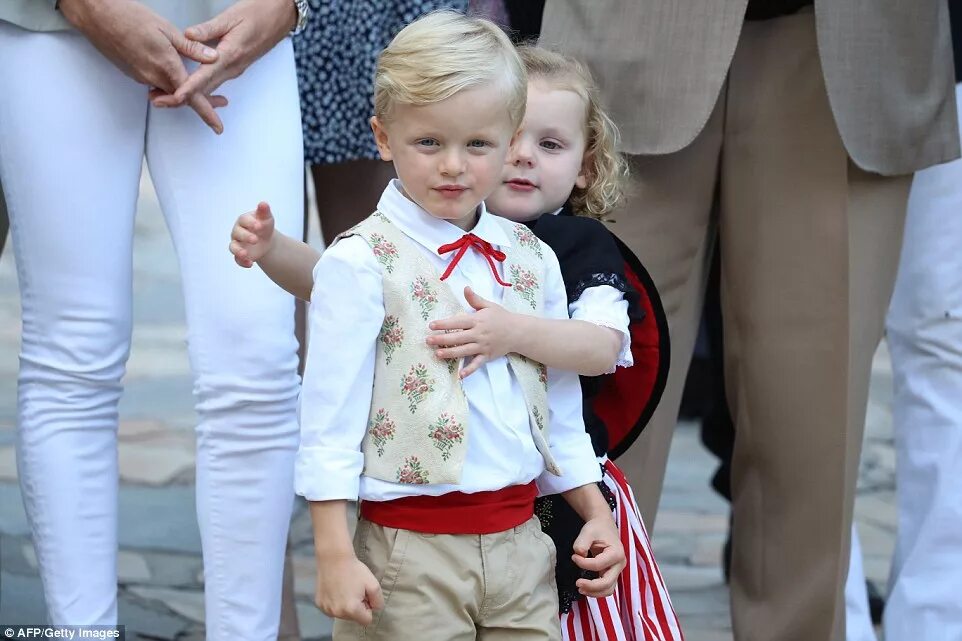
(427, 142)
(551, 145)
(478, 144)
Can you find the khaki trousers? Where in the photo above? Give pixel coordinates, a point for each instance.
(459, 587)
(810, 245)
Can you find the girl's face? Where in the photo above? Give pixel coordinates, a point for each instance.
(546, 160)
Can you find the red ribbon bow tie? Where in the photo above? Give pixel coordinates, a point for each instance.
(480, 245)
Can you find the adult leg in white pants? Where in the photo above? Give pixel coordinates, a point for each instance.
(925, 340)
(72, 141)
(858, 618)
(924, 329)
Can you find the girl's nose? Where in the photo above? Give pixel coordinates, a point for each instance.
(522, 154)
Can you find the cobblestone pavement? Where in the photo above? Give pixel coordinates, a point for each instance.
(160, 571)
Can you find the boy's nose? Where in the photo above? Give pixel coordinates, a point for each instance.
(452, 164)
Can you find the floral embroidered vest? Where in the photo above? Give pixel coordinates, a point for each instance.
(418, 427)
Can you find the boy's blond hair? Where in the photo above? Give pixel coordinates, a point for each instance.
(606, 171)
(445, 52)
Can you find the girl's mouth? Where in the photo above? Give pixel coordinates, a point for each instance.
(521, 184)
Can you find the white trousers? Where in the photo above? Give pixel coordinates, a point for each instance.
(924, 329)
(74, 132)
(858, 618)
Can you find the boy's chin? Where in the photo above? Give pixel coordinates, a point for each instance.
(451, 214)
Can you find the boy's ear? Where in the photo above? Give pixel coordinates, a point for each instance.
(381, 138)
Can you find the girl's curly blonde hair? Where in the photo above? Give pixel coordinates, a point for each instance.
(605, 169)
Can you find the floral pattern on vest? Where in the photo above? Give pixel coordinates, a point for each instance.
(418, 426)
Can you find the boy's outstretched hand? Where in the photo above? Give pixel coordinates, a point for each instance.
(600, 537)
(252, 236)
(346, 589)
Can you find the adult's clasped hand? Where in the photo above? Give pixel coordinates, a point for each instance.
(146, 47)
(238, 36)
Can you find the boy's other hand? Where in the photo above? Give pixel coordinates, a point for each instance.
(599, 536)
(346, 589)
(253, 235)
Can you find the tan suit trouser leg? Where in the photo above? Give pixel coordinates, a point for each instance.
(810, 245)
(666, 220)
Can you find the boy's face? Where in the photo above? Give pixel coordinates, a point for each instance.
(546, 160)
(448, 155)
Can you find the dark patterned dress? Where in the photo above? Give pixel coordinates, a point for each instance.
(640, 608)
(336, 56)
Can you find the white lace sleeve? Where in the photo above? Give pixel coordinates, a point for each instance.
(605, 306)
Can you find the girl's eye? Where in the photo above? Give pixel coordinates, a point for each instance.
(478, 144)
(550, 145)
(427, 142)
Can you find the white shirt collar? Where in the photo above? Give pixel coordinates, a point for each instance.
(431, 232)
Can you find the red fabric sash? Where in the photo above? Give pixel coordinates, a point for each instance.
(456, 512)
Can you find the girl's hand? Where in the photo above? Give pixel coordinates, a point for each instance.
(253, 236)
(599, 536)
(487, 334)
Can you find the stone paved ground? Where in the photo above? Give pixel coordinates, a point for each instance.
(160, 569)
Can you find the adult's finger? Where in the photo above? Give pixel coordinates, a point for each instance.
(215, 28)
(160, 98)
(177, 74)
(193, 49)
(198, 82)
(200, 104)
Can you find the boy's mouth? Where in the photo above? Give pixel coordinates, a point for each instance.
(520, 184)
(450, 191)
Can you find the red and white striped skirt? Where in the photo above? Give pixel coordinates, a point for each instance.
(640, 608)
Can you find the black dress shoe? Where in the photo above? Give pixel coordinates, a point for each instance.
(727, 558)
(876, 602)
(727, 552)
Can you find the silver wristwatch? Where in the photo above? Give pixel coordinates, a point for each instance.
(303, 14)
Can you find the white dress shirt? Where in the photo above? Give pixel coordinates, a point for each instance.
(346, 313)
